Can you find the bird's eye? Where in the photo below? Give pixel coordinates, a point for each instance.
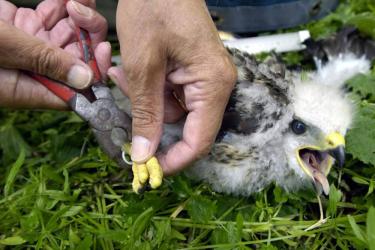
(298, 127)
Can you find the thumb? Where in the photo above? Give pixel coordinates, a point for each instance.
(20, 50)
(146, 92)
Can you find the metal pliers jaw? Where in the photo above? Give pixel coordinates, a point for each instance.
(109, 123)
(112, 127)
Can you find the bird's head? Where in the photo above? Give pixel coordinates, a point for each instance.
(315, 139)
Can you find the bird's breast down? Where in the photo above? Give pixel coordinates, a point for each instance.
(235, 167)
(241, 171)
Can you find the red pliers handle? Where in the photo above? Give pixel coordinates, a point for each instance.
(95, 105)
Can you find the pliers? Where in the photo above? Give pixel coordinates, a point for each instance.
(110, 125)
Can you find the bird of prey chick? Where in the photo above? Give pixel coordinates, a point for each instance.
(279, 126)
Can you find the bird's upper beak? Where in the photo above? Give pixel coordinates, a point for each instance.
(336, 145)
(317, 161)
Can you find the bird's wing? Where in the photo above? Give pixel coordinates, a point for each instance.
(227, 153)
(259, 106)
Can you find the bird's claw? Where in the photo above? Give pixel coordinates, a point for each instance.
(150, 171)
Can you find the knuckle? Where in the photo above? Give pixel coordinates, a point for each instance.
(137, 68)
(100, 23)
(26, 13)
(104, 24)
(131, 66)
(223, 77)
(46, 61)
(144, 115)
(226, 71)
(134, 69)
(142, 63)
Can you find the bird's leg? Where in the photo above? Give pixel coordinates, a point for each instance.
(321, 220)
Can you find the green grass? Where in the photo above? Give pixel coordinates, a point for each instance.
(59, 191)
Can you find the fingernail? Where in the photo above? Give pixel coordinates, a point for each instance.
(140, 151)
(79, 76)
(112, 77)
(83, 10)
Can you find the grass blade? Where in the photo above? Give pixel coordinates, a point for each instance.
(356, 229)
(13, 172)
(12, 241)
(371, 228)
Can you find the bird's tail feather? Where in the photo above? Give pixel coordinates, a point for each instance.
(346, 41)
(341, 56)
(341, 68)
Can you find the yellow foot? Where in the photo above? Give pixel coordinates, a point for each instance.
(150, 171)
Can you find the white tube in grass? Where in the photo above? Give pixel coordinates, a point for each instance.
(254, 45)
(278, 43)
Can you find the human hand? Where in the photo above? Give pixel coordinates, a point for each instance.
(44, 41)
(172, 46)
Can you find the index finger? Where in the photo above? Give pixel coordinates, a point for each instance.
(88, 19)
(199, 133)
(52, 11)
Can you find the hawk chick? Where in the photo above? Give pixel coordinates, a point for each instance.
(279, 126)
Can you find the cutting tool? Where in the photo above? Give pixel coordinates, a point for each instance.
(95, 105)
(111, 126)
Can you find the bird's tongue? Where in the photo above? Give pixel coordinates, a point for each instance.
(321, 181)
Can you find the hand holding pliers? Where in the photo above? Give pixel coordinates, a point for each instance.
(111, 125)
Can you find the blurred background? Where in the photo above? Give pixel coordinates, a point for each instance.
(244, 17)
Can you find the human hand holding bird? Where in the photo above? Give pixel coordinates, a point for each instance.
(279, 127)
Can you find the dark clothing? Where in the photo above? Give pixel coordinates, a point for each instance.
(247, 16)
(231, 3)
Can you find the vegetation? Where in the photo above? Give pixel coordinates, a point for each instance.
(58, 190)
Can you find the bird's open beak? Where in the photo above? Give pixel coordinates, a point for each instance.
(316, 162)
